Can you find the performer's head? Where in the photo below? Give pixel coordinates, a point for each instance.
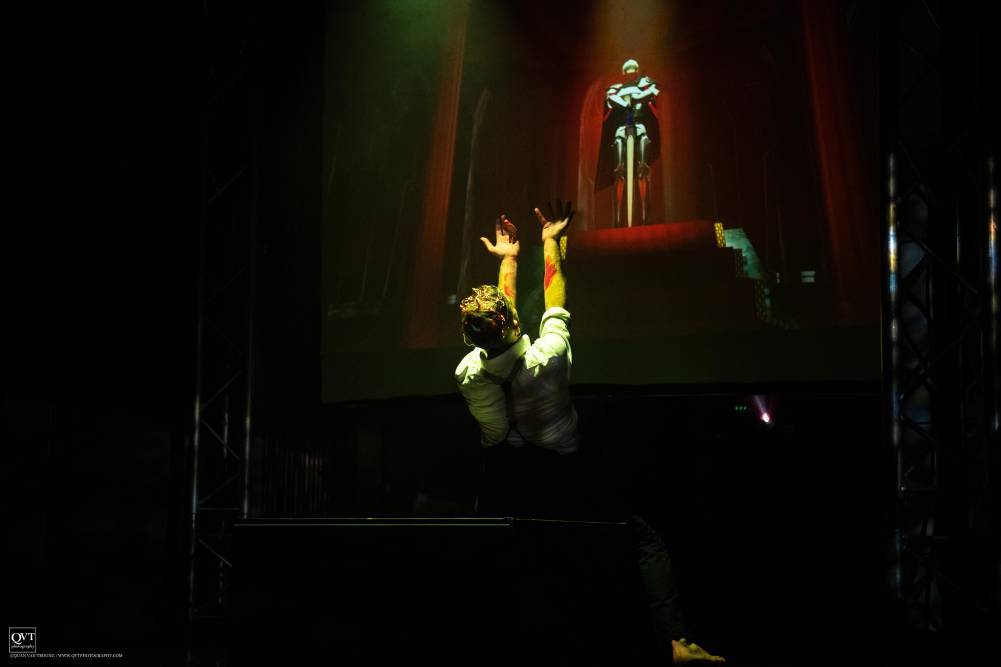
(630, 67)
(489, 319)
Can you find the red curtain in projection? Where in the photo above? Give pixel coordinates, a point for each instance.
(425, 287)
(587, 150)
(852, 216)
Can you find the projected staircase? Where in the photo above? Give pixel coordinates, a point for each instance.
(665, 279)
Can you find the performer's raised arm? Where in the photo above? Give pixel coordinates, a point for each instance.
(554, 252)
(505, 248)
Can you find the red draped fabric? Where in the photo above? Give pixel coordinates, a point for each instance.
(588, 148)
(852, 218)
(425, 293)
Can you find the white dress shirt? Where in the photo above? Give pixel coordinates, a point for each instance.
(540, 390)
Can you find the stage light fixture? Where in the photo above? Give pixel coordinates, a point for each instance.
(762, 411)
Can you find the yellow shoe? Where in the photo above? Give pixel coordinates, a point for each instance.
(685, 651)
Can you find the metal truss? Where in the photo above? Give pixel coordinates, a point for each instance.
(941, 249)
(221, 435)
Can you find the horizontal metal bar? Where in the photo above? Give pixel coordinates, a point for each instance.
(383, 525)
(912, 539)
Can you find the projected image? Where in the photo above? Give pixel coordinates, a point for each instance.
(629, 108)
(720, 160)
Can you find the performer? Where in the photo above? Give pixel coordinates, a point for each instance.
(630, 118)
(519, 392)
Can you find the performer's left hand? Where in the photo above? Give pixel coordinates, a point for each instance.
(553, 226)
(507, 244)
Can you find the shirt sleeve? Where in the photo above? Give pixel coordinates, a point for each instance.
(554, 333)
(486, 403)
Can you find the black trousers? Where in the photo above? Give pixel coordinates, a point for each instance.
(531, 482)
(536, 483)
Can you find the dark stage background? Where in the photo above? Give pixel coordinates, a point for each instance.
(778, 535)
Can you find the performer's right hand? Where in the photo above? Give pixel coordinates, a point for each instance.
(507, 244)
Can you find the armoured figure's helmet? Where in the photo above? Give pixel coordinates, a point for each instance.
(488, 316)
(630, 64)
